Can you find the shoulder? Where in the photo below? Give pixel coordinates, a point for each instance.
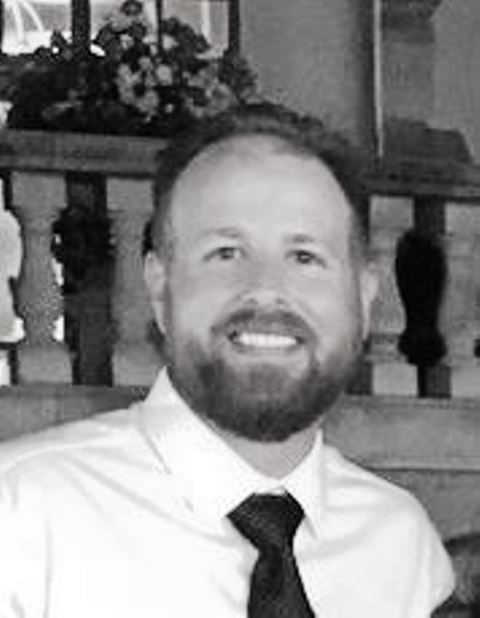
(391, 526)
(372, 497)
(30, 455)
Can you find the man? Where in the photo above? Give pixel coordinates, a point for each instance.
(216, 496)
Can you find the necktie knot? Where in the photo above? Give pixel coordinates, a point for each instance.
(268, 521)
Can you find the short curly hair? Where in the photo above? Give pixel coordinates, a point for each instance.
(302, 135)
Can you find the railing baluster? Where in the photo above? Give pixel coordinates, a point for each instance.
(135, 359)
(460, 311)
(10, 262)
(390, 218)
(37, 198)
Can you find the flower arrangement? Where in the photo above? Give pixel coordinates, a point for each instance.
(130, 82)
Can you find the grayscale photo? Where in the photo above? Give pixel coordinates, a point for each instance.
(239, 308)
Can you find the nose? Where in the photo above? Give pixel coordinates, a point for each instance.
(265, 285)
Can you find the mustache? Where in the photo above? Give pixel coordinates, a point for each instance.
(272, 321)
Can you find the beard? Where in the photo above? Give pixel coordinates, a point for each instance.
(259, 400)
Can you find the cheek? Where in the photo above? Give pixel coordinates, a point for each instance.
(332, 306)
(197, 300)
(197, 282)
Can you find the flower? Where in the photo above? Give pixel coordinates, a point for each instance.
(131, 81)
(168, 42)
(148, 103)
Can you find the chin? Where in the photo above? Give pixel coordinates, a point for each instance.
(262, 401)
(266, 404)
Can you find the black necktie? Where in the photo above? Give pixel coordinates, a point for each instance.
(269, 522)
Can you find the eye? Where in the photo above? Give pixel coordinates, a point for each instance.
(224, 254)
(306, 258)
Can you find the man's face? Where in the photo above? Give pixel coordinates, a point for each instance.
(262, 305)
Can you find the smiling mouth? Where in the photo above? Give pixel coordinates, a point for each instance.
(263, 341)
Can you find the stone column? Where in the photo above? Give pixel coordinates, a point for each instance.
(10, 263)
(390, 218)
(460, 319)
(37, 198)
(315, 56)
(135, 361)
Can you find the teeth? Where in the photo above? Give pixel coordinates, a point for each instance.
(266, 340)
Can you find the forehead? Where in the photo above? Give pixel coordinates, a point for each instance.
(259, 176)
(232, 155)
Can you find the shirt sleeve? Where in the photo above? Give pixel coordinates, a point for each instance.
(434, 579)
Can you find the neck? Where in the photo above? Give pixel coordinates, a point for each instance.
(275, 459)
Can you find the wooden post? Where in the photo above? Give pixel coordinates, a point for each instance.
(159, 18)
(81, 24)
(2, 24)
(234, 34)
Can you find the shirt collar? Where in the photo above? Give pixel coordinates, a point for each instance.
(211, 477)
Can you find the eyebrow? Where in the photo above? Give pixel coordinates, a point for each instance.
(227, 232)
(302, 238)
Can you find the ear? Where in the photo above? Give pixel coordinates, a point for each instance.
(368, 293)
(154, 273)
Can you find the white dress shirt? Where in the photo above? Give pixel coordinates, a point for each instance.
(124, 516)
